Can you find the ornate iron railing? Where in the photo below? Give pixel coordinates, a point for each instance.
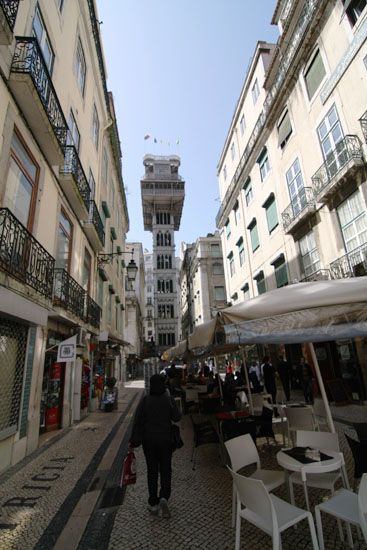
(304, 198)
(96, 220)
(23, 257)
(348, 148)
(363, 123)
(319, 275)
(93, 312)
(10, 9)
(352, 264)
(68, 294)
(303, 22)
(73, 166)
(28, 59)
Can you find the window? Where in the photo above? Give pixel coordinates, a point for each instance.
(330, 134)
(215, 251)
(254, 235)
(237, 214)
(260, 283)
(95, 127)
(228, 229)
(231, 263)
(217, 269)
(86, 270)
(255, 91)
(248, 191)
(219, 293)
(92, 185)
(353, 221)
(100, 291)
(264, 164)
(80, 66)
(225, 173)
(21, 184)
(104, 166)
(163, 218)
(241, 251)
(284, 129)
(166, 339)
(246, 291)
(314, 73)
(353, 9)
(64, 241)
(280, 271)
(73, 132)
(233, 152)
(309, 254)
(39, 31)
(271, 212)
(149, 288)
(242, 125)
(296, 188)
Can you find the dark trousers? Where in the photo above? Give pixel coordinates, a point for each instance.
(308, 392)
(286, 387)
(158, 456)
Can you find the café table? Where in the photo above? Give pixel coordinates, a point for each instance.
(292, 464)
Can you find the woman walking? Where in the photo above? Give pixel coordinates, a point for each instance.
(152, 427)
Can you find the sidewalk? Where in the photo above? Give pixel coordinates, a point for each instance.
(38, 495)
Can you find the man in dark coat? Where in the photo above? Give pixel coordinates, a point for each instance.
(284, 375)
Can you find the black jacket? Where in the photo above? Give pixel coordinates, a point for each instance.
(153, 419)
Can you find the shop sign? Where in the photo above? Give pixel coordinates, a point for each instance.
(66, 350)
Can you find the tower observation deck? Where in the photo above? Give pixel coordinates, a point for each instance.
(163, 195)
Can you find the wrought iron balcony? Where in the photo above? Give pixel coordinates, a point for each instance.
(319, 275)
(340, 165)
(363, 123)
(42, 110)
(302, 206)
(8, 15)
(93, 312)
(352, 264)
(74, 183)
(23, 257)
(68, 294)
(94, 228)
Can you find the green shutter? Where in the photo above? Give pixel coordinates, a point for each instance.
(254, 238)
(314, 74)
(272, 216)
(281, 274)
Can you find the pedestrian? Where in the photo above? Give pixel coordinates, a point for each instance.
(268, 372)
(305, 377)
(284, 375)
(254, 377)
(152, 427)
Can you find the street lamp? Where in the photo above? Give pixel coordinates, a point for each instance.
(131, 268)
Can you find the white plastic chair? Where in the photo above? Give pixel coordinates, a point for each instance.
(348, 507)
(241, 401)
(258, 401)
(243, 452)
(267, 512)
(316, 440)
(299, 418)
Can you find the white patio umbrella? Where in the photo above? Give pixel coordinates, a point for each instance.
(303, 312)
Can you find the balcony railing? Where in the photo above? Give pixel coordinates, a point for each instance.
(23, 257)
(10, 9)
(352, 264)
(72, 166)
(28, 59)
(68, 294)
(363, 123)
(347, 149)
(93, 312)
(319, 275)
(95, 219)
(295, 210)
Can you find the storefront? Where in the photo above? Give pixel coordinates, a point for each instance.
(52, 393)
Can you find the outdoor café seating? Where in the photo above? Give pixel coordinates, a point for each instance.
(359, 453)
(299, 418)
(204, 433)
(266, 511)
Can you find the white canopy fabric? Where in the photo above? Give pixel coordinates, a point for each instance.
(176, 351)
(202, 337)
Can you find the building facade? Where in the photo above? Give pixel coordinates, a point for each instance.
(149, 333)
(163, 193)
(135, 308)
(202, 282)
(62, 209)
(292, 173)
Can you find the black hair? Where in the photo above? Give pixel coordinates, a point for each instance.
(157, 385)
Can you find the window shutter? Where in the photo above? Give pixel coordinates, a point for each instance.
(284, 129)
(254, 238)
(272, 215)
(314, 74)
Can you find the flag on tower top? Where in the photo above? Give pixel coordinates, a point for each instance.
(147, 136)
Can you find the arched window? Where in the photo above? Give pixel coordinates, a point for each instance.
(167, 238)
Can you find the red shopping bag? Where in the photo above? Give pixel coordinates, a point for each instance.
(128, 476)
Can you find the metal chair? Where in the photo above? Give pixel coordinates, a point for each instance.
(267, 512)
(348, 507)
(204, 433)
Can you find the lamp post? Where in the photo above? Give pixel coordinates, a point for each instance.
(131, 268)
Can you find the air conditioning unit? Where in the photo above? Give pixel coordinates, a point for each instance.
(81, 338)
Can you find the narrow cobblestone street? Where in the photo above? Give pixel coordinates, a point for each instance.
(65, 495)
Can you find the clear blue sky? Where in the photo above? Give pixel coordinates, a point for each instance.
(176, 69)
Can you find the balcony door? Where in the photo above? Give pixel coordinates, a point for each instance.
(40, 32)
(64, 242)
(296, 187)
(21, 184)
(333, 146)
(353, 222)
